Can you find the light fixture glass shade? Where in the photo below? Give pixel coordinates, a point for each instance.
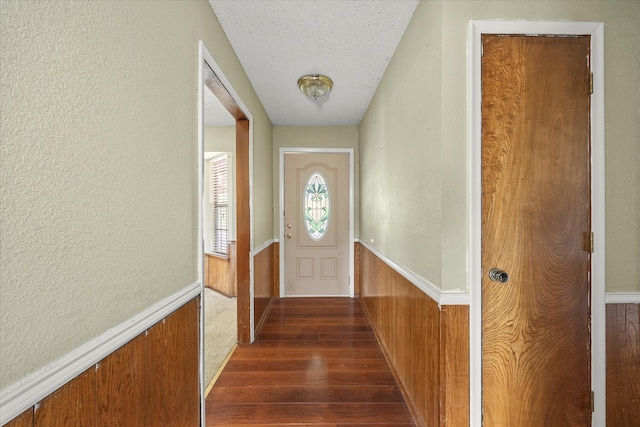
(315, 85)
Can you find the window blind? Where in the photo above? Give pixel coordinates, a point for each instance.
(219, 198)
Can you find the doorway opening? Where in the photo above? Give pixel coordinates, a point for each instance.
(224, 220)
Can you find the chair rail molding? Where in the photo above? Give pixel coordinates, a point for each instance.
(623, 298)
(28, 391)
(431, 290)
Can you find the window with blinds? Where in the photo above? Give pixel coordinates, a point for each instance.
(219, 199)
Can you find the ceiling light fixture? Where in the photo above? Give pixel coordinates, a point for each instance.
(315, 85)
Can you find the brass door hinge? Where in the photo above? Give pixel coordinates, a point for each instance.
(588, 242)
(590, 83)
(593, 401)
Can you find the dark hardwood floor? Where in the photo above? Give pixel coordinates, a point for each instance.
(314, 362)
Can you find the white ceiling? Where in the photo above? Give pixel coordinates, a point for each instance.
(278, 41)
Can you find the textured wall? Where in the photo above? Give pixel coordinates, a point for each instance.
(417, 125)
(314, 137)
(622, 115)
(622, 112)
(99, 160)
(400, 149)
(262, 210)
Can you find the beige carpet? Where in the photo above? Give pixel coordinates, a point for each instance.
(220, 331)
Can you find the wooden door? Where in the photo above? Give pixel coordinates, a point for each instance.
(316, 218)
(536, 343)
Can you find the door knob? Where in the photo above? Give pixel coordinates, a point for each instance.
(498, 275)
(288, 235)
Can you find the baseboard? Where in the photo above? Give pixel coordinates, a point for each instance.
(622, 298)
(33, 388)
(431, 290)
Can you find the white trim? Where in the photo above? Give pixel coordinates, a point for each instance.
(429, 289)
(623, 298)
(474, 49)
(262, 247)
(453, 298)
(200, 239)
(598, 202)
(349, 151)
(281, 220)
(27, 392)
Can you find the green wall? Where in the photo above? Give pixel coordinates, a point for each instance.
(99, 154)
(414, 149)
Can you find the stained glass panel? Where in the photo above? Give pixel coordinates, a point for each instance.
(316, 206)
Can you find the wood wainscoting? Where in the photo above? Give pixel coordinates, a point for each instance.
(23, 420)
(623, 364)
(151, 381)
(220, 273)
(426, 346)
(266, 281)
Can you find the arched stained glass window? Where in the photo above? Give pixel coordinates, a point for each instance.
(316, 206)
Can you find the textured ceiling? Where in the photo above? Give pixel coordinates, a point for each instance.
(278, 41)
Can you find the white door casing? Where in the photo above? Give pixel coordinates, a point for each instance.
(312, 266)
(598, 361)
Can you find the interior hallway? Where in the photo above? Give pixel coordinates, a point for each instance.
(315, 361)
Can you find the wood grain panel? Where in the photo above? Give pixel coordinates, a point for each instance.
(233, 268)
(150, 381)
(217, 274)
(23, 420)
(243, 212)
(213, 83)
(427, 347)
(121, 381)
(304, 413)
(423, 341)
(263, 287)
(182, 394)
(535, 213)
(308, 394)
(221, 272)
(397, 315)
(156, 367)
(623, 364)
(356, 269)
(330, 373)
(74, 404)
(275, 270)
(454, 365)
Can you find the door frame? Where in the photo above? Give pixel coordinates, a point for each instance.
(204, 55)
(290, 150)
(474, 140)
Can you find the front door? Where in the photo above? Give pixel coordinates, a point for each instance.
(536, 209)
(316, 218)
